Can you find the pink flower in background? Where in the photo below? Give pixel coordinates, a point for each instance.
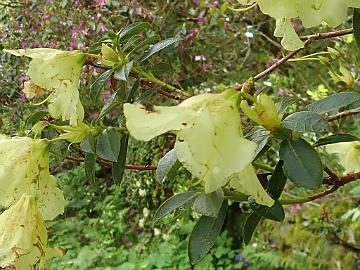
(295, 208)
(98, 16)
(53, 43)
(47, 16)
(74, 32)
(86, 32)
(103, 28)
(101, 3)
(72, 45)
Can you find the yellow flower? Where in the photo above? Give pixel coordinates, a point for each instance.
(24, 168)
(263, 112)
(23, 235)
(349, 155)
(59, 72)
(209, 140)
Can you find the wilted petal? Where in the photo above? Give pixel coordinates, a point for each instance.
(57, 71)
(23, 235)
(24, 167)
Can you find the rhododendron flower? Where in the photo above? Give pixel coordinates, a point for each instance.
(263, 112)
(23, 236)
(311, 13)
(59, 72)
(209, 141)
(349, 155)
(24, 168)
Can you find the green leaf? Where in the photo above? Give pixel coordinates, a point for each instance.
(109, 105)
(260, 136)
(275, 212)
(158, 47)
(167, 167)
(277, 181)
(35, 117)
(108, 144)
(209, 204)
(145, 95)
(356, 25)
(88, 144)
(173, 203)
(250, 226)
(131, 41)
(334, 102)
(123, 72)
(160, 69)
(133, 91)
(145, 42)
(335, 138)
(98, 85)
(302, 165)
(118, 167)
(131, 30)
(306, 122)
(204, 235)
(89, 162)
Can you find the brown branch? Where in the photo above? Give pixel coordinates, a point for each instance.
(328, 34)
(343, 114)
(308, 39)
(109, 164)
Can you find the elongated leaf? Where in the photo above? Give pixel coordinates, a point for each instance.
(158, 47)
(336, 138)
(277, 181)
(89, 162)
(250, 226)
(118, 167)
(302, 165)
(98, 85)
(131, 41)
(260, 136)
(133, 91)
(167, 164)
(131, 30)
(356, 25)
(209, 204)
(173, 203)
(306, 122)
(204, 234)
(145, 95)
(35, 117)
(109, 105)
(334, 102)
(88, 144)
(123, 72)
(275, 212)
(145, 42)
(160, 69)
(108, 144)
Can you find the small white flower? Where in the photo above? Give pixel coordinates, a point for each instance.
(142, 192)
(157, 232)
(146, 212)
(141, 223)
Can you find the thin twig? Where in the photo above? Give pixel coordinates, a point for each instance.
(308, 39)
(343, 114)
(109, 164)
(331, 34)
